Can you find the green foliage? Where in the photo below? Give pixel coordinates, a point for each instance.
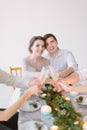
(66, 118)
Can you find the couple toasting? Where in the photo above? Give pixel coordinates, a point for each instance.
(62, 61)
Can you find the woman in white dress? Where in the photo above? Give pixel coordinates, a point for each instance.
(33, 63)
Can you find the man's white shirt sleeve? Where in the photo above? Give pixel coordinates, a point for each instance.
(82, 74)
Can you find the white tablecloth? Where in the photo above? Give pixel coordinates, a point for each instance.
(31, 125)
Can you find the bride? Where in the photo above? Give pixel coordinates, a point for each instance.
(33, 63)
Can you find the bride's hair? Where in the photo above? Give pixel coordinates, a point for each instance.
(32, 41)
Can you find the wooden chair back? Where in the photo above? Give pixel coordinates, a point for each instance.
(16, 71)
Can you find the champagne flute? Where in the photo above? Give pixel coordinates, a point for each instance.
(44, 74)
(53, 73)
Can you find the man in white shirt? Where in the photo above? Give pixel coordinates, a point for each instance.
(63, 61)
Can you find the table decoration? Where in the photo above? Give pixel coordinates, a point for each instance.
(30, 106)
(85, 126)
(85, 123)
(67, 98)
(81, 99)
(43, 95)
(46, 116)
(46, 109)
(63, 112)
(54, 127)
(73, 94)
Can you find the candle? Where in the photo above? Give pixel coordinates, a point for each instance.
(46, 109)
(73, 94)
(67, 99)
(43, 95)
(54, 127)
(46, 116)
(85, 126)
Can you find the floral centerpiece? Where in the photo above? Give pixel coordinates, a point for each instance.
(63, 112)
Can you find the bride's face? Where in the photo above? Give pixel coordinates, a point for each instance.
(38, 47)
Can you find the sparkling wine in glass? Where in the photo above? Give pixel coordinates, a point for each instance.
(53, 73)
(44, 74)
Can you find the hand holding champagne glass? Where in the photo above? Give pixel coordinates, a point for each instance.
(44, 75)
(53, 73)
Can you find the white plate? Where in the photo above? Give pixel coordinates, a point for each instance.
(30, 125)
(31, 106)
(83, 102)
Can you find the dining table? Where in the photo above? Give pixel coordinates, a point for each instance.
(28, 118)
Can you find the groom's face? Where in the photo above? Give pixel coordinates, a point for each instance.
(51, 45)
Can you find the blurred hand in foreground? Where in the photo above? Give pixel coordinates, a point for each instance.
(61, 85)
(34, 89)
(35, 82)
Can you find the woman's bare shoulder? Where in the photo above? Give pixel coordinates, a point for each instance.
(46, 61)
(27, 59)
